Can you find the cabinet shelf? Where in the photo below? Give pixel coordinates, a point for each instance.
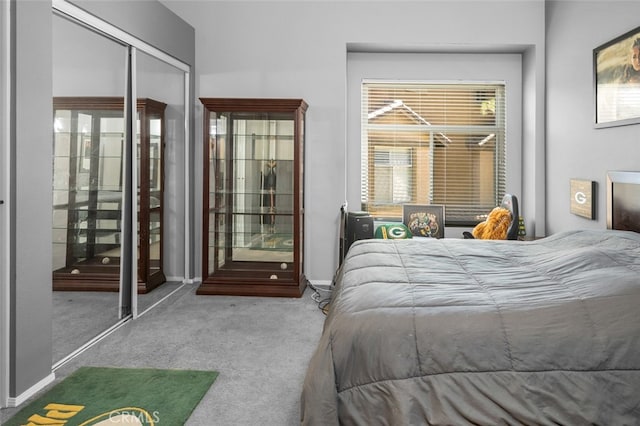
(276, 241)
(257, 213)
(258, 162)
(250, 191)
(265, 136)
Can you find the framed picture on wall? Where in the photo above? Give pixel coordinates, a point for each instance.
(424, 220)
(617, 80)
(582, 197)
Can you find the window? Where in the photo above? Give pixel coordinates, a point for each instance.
(433, 143)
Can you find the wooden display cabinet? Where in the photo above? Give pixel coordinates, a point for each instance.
(253, 197)
(89, 135)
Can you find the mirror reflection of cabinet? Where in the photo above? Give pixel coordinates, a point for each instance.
(87, 192)
(253, 197)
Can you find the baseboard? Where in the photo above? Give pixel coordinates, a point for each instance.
(24, 396)
(321, 284)
(183, 280)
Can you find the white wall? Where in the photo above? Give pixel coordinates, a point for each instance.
(299, 50)
(575, 149)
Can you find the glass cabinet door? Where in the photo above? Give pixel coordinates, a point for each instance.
(254, 186)
(257, 205)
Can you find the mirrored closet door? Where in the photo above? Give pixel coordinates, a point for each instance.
(161, 161)
(87, 182)
(120, 132)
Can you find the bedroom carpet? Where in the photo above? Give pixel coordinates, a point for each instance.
(79, 316)
(261, 348)
(136, 396)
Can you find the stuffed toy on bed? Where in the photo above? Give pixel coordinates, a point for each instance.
(495, 227)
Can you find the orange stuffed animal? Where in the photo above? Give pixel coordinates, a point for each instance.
(495, 227)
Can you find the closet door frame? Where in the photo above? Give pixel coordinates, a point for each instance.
(5, 196)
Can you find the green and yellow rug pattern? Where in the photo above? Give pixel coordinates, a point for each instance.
(277, 242)
(93, 396)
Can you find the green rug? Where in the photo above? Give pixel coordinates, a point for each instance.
(119, 396)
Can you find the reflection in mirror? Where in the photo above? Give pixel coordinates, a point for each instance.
(87, 183)
(93, 256)
(155, 195)
(87, 193)
(163, 175)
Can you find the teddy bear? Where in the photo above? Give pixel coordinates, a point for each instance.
(495, 227)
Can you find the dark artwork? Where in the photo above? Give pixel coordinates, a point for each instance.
(269, 193)
(424, 221)
(626, 216)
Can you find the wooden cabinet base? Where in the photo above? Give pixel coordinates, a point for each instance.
(66, 282)
(264, 290)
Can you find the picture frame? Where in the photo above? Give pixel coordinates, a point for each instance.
(616, 72)
(85, 153)
(582, 196)
(424, 220)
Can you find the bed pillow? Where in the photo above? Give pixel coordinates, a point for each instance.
(393, 231)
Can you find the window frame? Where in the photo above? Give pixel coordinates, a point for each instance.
(438, 65)
(368, 175)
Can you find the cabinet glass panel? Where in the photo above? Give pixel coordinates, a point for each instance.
(254, 212)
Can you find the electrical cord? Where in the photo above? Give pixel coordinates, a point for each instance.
(318, 297)
(324, 301)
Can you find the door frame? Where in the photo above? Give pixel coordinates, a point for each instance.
(5, 179)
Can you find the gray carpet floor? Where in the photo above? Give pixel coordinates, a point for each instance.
(80, 316)
(260, 346)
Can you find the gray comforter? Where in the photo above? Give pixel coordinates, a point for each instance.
(455, 332)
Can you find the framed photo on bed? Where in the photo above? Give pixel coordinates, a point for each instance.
(617, 80)
(424, 220)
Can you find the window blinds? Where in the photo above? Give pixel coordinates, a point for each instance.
(433, 143)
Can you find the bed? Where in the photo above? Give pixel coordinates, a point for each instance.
(455, 332)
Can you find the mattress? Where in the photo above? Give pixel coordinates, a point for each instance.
(454, 332)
